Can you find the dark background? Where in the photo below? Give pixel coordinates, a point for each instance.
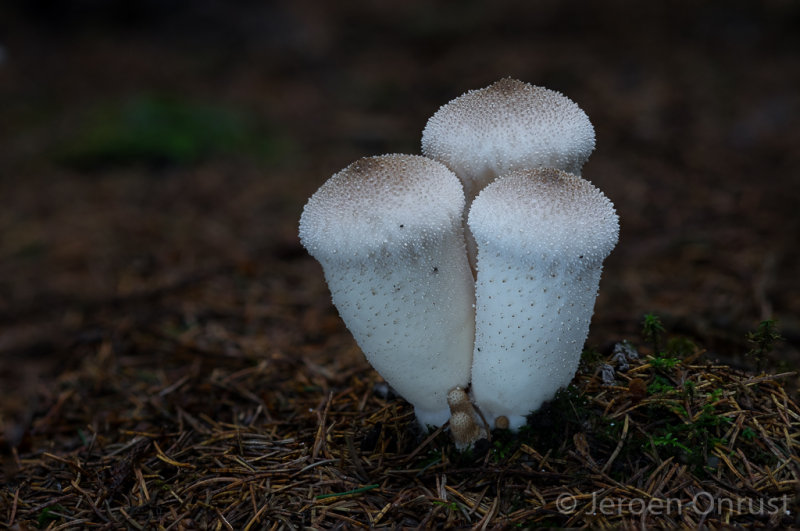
(155, 157)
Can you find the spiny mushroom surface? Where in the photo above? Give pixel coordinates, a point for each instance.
(388, 233)
(506, 126)
(542, 236)
(509, 125)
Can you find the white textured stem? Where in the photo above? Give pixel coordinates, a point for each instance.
(542, 236)
(410, 310)
(533, 319)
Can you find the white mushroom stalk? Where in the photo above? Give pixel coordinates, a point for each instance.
(388, 233)
(509, 125)
(542, 236)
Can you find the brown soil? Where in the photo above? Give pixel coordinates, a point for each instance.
(168, 352)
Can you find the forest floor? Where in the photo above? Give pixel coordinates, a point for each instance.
(170, 358)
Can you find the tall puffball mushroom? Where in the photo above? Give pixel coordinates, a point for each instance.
(388, 233)
(507, 126)
(542, 237)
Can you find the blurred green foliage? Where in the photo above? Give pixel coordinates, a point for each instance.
(159, 130)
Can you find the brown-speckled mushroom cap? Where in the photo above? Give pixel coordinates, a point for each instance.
(387, 200)
(546, 213)
(506, 126)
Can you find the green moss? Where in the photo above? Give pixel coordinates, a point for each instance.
(763, 341)
(453, 506)
(664, 363)
(660, 385)
(49, 514)
(652, 330)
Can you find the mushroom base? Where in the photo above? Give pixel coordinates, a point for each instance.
(432, 418)
(410, 310)
(531, 324)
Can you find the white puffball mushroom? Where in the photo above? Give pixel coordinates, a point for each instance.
(542, 236)
(506, 126)
(509, 125)
(388, 233)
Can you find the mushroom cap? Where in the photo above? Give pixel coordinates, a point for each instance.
(457, 398)
(505, 126)
(380, 201)
(545, 214)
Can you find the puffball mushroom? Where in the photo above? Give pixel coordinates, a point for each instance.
(542, 236)
(509, 125)
(506, 126)
(388, 233)
(466, 426)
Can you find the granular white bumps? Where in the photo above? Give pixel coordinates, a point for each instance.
(506, 126)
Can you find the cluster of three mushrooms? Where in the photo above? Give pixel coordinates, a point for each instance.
(500, 306)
